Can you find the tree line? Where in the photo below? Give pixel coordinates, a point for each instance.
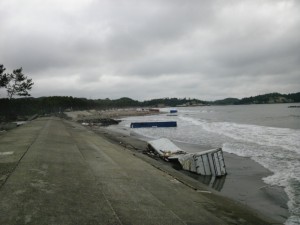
(260, 99)
(271, 98)
(10, 109)
(17, 84)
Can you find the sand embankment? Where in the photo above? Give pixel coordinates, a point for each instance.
(113, 113)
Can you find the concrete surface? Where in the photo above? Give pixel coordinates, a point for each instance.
(54, 171)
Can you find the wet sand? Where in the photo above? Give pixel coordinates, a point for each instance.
(243, 182)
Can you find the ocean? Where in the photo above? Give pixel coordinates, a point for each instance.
(269, 134)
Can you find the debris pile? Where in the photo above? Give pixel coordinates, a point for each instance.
(207, 163)
(99, 122)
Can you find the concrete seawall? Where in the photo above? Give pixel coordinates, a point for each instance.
(54, 171)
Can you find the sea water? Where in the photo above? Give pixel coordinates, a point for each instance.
(269, 134)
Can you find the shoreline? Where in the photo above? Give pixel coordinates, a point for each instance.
(65, 168)
(243, 183)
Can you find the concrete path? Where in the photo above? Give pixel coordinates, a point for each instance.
(57, 172)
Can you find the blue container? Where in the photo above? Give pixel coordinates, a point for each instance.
(153, 124)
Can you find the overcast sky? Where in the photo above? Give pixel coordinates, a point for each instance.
(150, 49)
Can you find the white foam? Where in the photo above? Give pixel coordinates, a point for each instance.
(277, 149)
(286, 170)
(286, 138)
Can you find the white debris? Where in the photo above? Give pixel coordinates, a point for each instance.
(209, 162)
(165, 148)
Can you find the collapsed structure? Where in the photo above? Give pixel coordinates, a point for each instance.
(208, 163)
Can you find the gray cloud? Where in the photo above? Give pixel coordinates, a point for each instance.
(148, 49)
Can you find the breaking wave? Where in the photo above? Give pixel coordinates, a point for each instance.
(277, 149)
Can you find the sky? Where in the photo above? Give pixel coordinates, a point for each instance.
(208, 49)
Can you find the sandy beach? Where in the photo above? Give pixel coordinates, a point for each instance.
(243, 183)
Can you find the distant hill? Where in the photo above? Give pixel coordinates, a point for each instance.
(271, 98)
(9, 109)
(226, 101)
(260, 99)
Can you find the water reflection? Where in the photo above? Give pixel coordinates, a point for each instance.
(216, 183)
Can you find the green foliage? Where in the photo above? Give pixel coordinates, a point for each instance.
(56, 104)
(261, 99)
(270, 98)
(226, 101)
(295, 97)
(172, 102)
(15, 83)
(3, 77)
(18, 84)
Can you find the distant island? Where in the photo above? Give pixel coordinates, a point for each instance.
(10, 109)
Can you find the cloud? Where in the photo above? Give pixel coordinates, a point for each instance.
(147, 49)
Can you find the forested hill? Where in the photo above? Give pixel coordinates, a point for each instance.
(260, 99)
(9, 108)
(271, 98)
